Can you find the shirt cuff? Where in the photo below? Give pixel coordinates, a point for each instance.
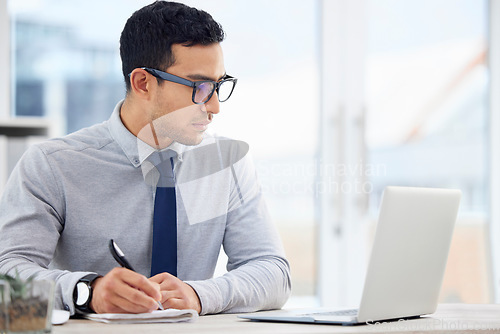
(209, 294)
(66, 287)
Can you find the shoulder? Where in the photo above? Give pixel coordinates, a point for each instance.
(94, 137)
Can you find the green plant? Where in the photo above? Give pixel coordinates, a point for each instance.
(18, 287)
(28, 308)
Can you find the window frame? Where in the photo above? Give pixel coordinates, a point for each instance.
(342, 131)
(494, 139)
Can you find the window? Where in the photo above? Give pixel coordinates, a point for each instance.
(405, 101)
(275, 109)
(396, 91)
(427, 118)
(67, 68)
(64, 67)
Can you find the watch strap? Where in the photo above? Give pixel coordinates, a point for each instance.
(87, 280)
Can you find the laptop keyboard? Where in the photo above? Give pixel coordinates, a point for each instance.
(352, 312)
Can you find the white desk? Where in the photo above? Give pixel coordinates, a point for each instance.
(449, 318)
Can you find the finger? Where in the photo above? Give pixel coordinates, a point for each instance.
(110, 301)
(175, 299)
(126, 305)
(176, 303)
(169, 294)
(140, 282)
(112, 305)
(160, 278)
(183, 297)
(134, 300)
(171, 283)
(124, 284)
(118, 304)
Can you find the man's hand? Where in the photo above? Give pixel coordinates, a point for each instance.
(175, 293)
(124, 291)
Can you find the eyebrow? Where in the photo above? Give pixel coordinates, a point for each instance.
(204, 77)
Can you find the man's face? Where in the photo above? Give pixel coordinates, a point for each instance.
(173, 114)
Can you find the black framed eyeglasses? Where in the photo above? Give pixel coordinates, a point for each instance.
(202, 90)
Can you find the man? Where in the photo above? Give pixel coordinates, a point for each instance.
(68, 197)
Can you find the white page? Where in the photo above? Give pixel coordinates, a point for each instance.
(169, 315)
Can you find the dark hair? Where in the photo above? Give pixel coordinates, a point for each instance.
(148, 35)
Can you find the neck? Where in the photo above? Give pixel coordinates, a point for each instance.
(136, 119)
(130, 116)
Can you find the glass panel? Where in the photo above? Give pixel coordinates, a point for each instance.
(427, 84)
(67, 67)
(277, 56)
(66, 61)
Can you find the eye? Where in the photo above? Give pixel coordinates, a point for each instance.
(203, 91)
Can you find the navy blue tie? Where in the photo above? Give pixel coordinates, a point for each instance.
(164, 255)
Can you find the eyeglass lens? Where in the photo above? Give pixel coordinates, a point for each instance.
(225, 90)
(205, 89)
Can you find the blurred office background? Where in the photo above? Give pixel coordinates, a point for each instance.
(337, 99)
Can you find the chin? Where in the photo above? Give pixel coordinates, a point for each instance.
(193, 141)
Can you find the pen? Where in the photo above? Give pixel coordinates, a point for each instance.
(120, 258)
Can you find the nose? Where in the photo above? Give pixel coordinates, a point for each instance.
(212, 106)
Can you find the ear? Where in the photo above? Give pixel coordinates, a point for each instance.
(142, 83)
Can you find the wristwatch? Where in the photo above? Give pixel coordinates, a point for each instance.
(82, 294)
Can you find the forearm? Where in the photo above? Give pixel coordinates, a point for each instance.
(64, 280)
(258, 275)
(261, 284)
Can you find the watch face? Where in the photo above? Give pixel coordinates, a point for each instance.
(83, 293)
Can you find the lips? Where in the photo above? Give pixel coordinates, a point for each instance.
(201, 126)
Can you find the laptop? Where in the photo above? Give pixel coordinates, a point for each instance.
(407, 262)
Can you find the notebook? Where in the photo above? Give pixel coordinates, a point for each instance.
(158, 316)
(406, 265)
